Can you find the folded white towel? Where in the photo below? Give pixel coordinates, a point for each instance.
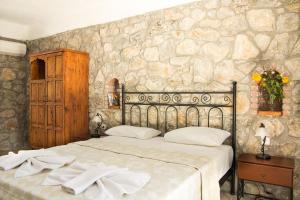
(33, 161)
(88, 178)
(98, 181)
(13, 160)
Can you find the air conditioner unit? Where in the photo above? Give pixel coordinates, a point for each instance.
(12, 48)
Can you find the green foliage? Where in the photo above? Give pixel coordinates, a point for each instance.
(272, 83)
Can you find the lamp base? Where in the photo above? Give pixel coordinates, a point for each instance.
(263, 156)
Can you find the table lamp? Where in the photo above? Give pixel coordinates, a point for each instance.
(263, 133)
(101, 127)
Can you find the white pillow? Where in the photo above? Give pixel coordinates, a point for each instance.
(197, 135)
(133, 131)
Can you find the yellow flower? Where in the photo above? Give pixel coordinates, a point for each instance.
(256, 77)
(285, 79)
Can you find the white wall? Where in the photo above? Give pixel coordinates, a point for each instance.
(13, 30)
(45, 17)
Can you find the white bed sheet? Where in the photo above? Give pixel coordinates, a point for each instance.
(222, 155)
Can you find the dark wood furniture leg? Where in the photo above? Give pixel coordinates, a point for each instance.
(242, 187)
(232, 184)
(238, 190)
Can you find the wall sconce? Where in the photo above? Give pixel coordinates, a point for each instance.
(101, 127)
(262, 133)
(113, 94)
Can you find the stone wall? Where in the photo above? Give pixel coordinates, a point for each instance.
(13, 119)
(202, 45)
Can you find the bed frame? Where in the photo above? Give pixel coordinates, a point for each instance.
(182, 105)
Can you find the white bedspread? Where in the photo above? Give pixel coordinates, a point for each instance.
(221, 155)
(170, 180)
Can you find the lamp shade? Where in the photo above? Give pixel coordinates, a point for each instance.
(262, 131)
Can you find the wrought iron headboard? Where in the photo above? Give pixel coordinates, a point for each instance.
(211, 100)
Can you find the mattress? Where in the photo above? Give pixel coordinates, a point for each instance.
(177, 171)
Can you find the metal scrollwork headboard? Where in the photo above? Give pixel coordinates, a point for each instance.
(178, 106)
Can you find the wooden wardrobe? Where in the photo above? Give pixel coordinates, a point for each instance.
(58, 98)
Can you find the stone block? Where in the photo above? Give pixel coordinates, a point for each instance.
(151, 54)
(293, 66)
(204, 34)
(287, 22)
(7, 113)
(244, 49)
(203, 70)
(262, 41)
(261, 19)
(7, 74)
(187, 47)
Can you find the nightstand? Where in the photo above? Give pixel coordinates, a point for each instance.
(276, 171)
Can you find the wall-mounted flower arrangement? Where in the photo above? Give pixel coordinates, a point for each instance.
(270, 84)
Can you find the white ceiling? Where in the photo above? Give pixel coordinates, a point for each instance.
(32, 19)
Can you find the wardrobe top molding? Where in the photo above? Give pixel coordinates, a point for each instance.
(57, 51)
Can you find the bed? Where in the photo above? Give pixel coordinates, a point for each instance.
(178, 171)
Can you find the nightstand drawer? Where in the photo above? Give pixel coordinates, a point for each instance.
(265, 174)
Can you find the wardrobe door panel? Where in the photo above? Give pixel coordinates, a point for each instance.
(34, 115)
(50, 91)
(50, 116)
(42, 137)
(59, 67)
(59, 136)
(33, 137)
(42, 91)
(51, 139)
(34, 92)
(38, 137)
(59, 116)
(59, 91)
(51, 67)
(41, 115)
